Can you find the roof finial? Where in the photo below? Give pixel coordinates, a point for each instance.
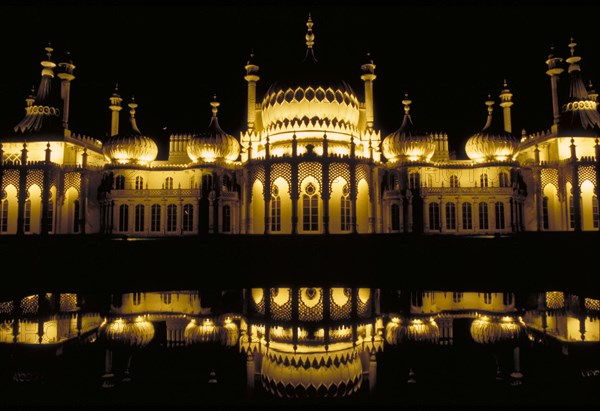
(215, 105)
(406, 103)
(132, 106)
(310, 38)
(49, 51)
(573, 59)
(572, 45)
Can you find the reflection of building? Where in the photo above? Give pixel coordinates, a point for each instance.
(310, 161)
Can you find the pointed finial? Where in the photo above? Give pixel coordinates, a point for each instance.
(572, 45)
(132, 105)
(49, 51)
(215, 105)
(310, 37)
(505, 84)
(406, 103)
(116, 91)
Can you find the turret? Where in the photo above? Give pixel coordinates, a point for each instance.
(368, 77)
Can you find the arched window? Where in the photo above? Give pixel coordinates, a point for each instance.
(227, 219)
(457, 297)
(345, 216)
(450, 216)
(395, 217)
(499, 215)
(507, 298)
(483, 216)
(137, 298)
(76, 217)
(487, 298)
(169, 183)
(434, 216)
(595, 216)
(414, 180)
(310, 208)
(120, 183)
(545, 213)
(171, 218)
(155, 218)
(275, 209)
(27, 220)
(483, 180)
(139, 183)
(188, 217)
(123, 217)
(503, 179)
(454, 181)
(139, 218)
(467, 216)
(166, 298)
(4, 216)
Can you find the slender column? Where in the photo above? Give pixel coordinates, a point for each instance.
(83, 192)
(325, 193)
(597, 146)
(22, 191)
(108, 377)
(45, 192)
(267, 188)
(576, 190)
(353, 190)
(554, 71)
(537, 179)
(294, 189)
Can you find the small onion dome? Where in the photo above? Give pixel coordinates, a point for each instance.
(126, 333)
(230, 334)
(131, 146)
(492, 143)
(407, 143)
(413, 330)
(201, 331)
(495, 329)
(214, 144)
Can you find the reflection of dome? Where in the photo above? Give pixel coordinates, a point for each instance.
(491, 330)
(201, 331)
(491, 143)
(407, 143)
(128, 334)
(230, 334)
(130, 146)
(411, 331)
(333, 373)
(214, 144)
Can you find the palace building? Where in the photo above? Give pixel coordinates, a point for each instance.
(310, 161)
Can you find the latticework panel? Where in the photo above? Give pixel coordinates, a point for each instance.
(340, 307)
(592, 304)
(6, 307)
(258, 300)
(281, 304)
(549, 176)
(555, 300)
(310, 169)
(587, 173)
(35, 177)
(310, 304)
(282, 170)
(363, 306)
(258, 173)
(338, 170)
(68, 302)
(362, 172)
(10, 177)
(29, 305)
(72, 180)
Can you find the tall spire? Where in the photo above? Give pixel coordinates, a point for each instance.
(251, 77)
(506, 103)
(368, 77)
(554, 71)
(310, 39)
(115, 107)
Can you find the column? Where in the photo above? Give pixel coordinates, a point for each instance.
(576, 190)
(294, 195)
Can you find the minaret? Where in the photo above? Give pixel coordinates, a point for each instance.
(368, 77)
(115, 107)
(506, 103)
(66, 76)
(251, 77)
(554, 71)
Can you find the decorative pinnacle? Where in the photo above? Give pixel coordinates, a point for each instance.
(251, 57)
(49, 51)
(215, 105)
(132, 105)
(310, 37)
(490, 104)
(116, 92)
(572, 45)
(406, 103)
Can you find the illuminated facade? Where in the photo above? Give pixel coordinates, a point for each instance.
(310, 161)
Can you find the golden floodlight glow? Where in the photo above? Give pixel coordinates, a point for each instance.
(127, 334)
(412, 330)
(493, 330)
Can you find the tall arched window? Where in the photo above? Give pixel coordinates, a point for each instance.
(483, 216)
(467, 216)
(120, 183)
(503, 180)
(188, 217)
(155, 218)
(450, 216)
(395, 217)
(434, 216)
(454, 181)
(139, 183)
(414, 180)
(483, 180)
(169, 183)
(595, 215)
(345, 216)
(310, 208)
(27, 220)
(123, 217)
(76, 216)
(275, 209)
(227, 219)
(139, 218)
(499, 208)
(3, 216)
(171, 218)
(545, 213)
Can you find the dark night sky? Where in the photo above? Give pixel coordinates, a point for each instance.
(447, 56)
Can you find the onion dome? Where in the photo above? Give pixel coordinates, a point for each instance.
(130, 147)
(126, 333)
(230, 334)
(414, 330)
(580, 116)
(214, 144)
(496, 330)
(492, 143)
(310, 374)
(201, 331)
(407, 143)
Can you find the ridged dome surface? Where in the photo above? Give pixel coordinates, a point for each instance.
(213, 144)
(492, 143)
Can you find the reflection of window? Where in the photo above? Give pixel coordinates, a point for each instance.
(123, 217)
(507, 298)
(76, 216)
(417, 298)
(487, 298)
(50, 215)
(395, 211)
(171, 217)
(595, 216)
(434, 216)
(345, 209)
(545, 213)
(450, 216)
(155, 218)
(414, 180)
(499, 215)
(226, 219)
(310, 208)
(139, 218)
(27, 221)
(483, 216)
(139, 183)
(467, 216)
(483, 180)
(169, 183)
(188, 217)
(571, 213)
(457, 297)
(503, 179)
(166, 298)
(275, 209)
(137, 298)
(4, 216)
(454, 181)
(120, 183)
